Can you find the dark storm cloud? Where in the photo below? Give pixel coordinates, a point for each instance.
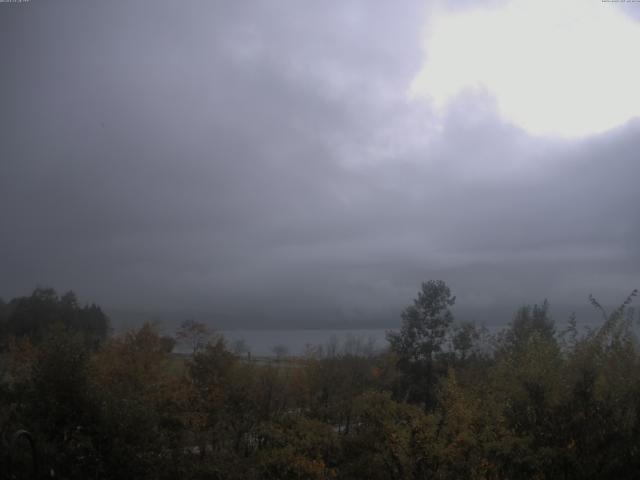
(263, 164)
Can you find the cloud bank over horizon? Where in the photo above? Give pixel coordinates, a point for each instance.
(269, 164)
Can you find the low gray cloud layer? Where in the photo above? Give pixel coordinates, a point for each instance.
(263, 164)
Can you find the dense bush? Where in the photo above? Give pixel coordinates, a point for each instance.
(445, 401)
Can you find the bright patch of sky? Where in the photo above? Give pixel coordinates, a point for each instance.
(565, 69)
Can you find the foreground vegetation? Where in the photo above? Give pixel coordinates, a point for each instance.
(445, 401)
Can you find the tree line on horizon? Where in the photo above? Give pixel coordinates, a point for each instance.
(446, 400)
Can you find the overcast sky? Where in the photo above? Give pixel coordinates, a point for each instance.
(304, 162)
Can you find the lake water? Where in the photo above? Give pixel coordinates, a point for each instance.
(261, 342)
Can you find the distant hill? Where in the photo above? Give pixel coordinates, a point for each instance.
(493, 316)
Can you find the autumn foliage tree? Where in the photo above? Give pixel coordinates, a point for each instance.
(443, 402)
